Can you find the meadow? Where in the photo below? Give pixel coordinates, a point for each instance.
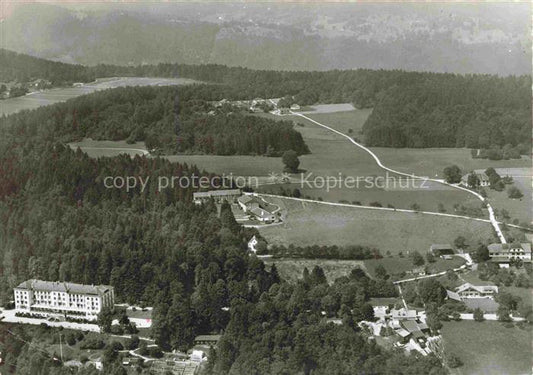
(398, 265)
(432, 161)
(520, 209)
(488, 348)
(56, 95)
(97, 149)
(307, 223)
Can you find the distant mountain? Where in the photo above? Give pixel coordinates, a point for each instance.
(461, 38)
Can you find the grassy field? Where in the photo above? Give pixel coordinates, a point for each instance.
(315, 223)
(432, 161)
(426, 199)
(522, 208)
(46, 97)
(488, 348)
(344, 121)
(292, 269)
(238, 165)
(398, 265)
(109, 148)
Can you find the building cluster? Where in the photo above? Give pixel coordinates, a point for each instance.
(256, 207)
(482, 178)
(409, 327)
(62, 299)
(219, 196)
(444, 251)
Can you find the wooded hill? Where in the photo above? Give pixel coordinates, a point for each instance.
(411, 109)
(24, 68)
(169, 119)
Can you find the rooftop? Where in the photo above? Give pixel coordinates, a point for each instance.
(59, 286)
(437, 246)
(479, 288)
(207, 338)
(508, 246)
(403, 313)
(260, 212)
(216, 193)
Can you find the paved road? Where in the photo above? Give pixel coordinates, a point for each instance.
(492, 217)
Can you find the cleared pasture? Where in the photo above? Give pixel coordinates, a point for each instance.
(488, 348)
(46, 97)
(308, 223)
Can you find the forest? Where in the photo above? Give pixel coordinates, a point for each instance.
(16, 67)
(411, 109)
(169, 120)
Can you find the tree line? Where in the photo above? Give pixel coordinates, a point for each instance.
(411, 109)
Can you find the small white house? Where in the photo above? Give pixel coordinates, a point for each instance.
(252, 245)
(263, 215)
(197, 356)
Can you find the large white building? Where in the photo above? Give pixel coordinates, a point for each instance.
(510, 251)
(55, 299)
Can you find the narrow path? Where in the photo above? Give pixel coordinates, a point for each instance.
(492, 217)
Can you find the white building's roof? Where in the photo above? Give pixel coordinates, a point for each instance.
(59, 286)
(216, 193)
(479, 288)
(506, 247)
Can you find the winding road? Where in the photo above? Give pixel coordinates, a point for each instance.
(492, 217)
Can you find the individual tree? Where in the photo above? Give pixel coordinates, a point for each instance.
(503, 314)
(453, 361)
(460, 242)
(105, 319)
(290, 160)
(381, 272)
(417, 258)
(430, 290)
(481, 254)
(473, 180)
(478, 315)
(367, 312)
(514, 193)
(452, 174)
(430, 257)
(133, 342)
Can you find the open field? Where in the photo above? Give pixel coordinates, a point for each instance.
(488, 348)
(426, 199)
(109, 148)
(238, 165)
(330, 108)
(522, 208)
(292, 269)
(432, 161)
(46, 97)
(334, 157)
(343, 121)
(314, 223)
(398, 265)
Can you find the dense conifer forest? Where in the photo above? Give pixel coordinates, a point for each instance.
(169, 119)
